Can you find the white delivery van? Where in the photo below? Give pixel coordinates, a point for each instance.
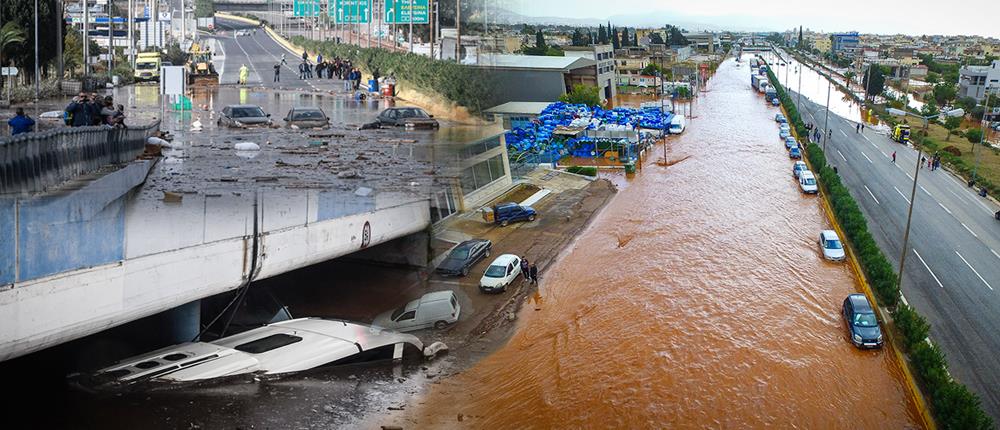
(677, 124)
(437, 309)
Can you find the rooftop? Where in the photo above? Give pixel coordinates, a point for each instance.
(534, 108)
(535, 62)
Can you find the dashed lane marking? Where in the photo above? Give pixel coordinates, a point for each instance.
(927, 267)
(974, 271)
(870, 194)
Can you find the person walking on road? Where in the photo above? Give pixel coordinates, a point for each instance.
(21, 123)
(894, 157)
(79, 111)
(244, 73)
(277, 72)
(533, 273)
(862, 127)
(922, 161)
(857, 128)
(524, 268)
(283, 62)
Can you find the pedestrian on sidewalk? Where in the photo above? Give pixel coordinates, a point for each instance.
(277, 72)
(533, 271)
(524, 268)
(893, 156)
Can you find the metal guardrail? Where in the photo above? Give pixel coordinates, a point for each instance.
(33, 162)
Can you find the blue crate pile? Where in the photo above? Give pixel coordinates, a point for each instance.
(538, 137)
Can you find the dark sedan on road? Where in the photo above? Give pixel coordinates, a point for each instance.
(862, 325)
(409, 117)
(306, 117)
(464, 256)
(244, 116)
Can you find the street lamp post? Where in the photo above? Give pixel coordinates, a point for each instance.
(913, 191)
(982, 137)
(38, 75)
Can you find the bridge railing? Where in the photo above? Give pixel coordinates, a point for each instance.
(33, 162)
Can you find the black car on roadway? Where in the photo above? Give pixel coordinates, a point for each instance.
(409, 117)
(464, 256)
(237, 116)
(306, 117)
(862, 325)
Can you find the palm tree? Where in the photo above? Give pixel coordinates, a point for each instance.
(10, 34)
(849, 75)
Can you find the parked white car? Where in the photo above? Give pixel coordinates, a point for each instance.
(807, 182)
(437, 309)
(500, 273)
(798, 167)
(286, 346)
(833, 248)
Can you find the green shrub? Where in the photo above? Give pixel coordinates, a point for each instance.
(580, 170)
(913, 326)
(472, 87)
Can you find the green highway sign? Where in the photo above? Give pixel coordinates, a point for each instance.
(402, 11)
(305, 7)
(350, 11)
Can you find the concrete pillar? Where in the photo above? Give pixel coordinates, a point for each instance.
(412, 250)
(183, 322)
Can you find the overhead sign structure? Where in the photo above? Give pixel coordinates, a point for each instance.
(305, 7)
(351, 11)
(403, 11)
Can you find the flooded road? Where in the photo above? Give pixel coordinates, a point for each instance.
(698, 298)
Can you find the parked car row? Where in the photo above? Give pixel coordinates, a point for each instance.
(251, 116)
(858, 313)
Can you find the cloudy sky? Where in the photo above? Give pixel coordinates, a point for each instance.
(879, 16)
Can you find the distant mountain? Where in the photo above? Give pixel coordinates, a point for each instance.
(648, 19)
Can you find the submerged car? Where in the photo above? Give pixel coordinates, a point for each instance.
(790, 142)
(306, 117)
(464, 256)
(798, 167)
(409, 117)
(437, 309)
(780, 118)
(282, 347)
(807, 182)
(783, 134)
(500, 273)
(794, 152)
(833, 248)
(244, 116)
(862, 324)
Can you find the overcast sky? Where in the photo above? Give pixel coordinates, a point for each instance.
(878, 16)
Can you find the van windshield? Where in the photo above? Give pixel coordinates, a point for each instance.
(145, 66)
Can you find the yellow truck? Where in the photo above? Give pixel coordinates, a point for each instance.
(901, 133)
(147, 66)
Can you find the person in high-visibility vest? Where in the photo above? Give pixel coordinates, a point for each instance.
(244, 73)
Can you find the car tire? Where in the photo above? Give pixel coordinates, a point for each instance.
(531, 218)
(465, 271)
(503, 223)
(440, 325)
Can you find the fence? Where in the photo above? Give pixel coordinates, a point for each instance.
(33, 162)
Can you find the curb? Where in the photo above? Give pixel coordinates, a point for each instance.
(918, 397)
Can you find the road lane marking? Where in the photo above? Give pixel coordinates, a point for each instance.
(945, 208)
(903, 298)
(866, 138)
(870, 194)
(902, 195)
(969, 230)
(842, 155)
(974, 271)
(927, 267)
(925, 191)
(842, 132)
(866, 157)
(995, 253)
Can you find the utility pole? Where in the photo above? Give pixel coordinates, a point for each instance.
(826, 122)
(909, 217)
(458, 31)
(111, 42)
(799, 102)
(410, 19)
(59, 44)
(86, 37)
(982, 126)
(38, 75)
(430, 22)
(131, 38)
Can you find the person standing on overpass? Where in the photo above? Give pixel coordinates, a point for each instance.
(277, 72)
(244, 73)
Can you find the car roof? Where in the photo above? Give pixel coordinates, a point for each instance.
(800, 163)
(830, 233)
(307, 108)
(860, 302)
(505, 259)
(245, 106)
(806, 174)
(470, 243)
(437, 295)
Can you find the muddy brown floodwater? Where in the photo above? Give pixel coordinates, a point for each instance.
(698, 298)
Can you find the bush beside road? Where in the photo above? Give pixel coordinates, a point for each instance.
(953, 405)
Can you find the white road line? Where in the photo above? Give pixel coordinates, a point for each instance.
(925, 190)
(866, 138)
(842, 155)
(903, 298)
(866, 157)
(245, 54)
(974, 271)
(870, 194)
(995, 253)
(969, 230)
(902, 195)
(927, 267)
(842, 132)
(945, 208)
